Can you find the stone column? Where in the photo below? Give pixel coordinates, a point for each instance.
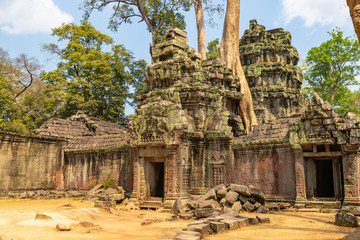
(136, 180)
(351, 178)
(198, 171)
(299, 175)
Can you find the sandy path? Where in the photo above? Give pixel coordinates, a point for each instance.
(17, 222)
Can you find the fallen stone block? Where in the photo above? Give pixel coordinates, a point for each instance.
(355, 210)
(186, 237)
(211, 194)
(86, 224)
(186, 215)
(262, 209)
(200, 221)
(94, 189)
(191, 233)
(221, 193)
(205, 212)
(203, 229)
(74, 194)
(217, 227)
(263, 219)
(285, 205)
(177, 207)
(241, 189)
(208, 204)
(63, 227)
(110, 191)
(231, 224)
(191, 205)
(40, 216)
(215, 219)
(259, 195)
(247, 206)
(273, 206)
(346, 220)
(243, 222)
(102, 204)
(243, 198)
(257, 205)
(231, 197)
(236, 207)
(253, 221)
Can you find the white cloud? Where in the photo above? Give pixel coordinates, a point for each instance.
(323, 12)
(31, 16)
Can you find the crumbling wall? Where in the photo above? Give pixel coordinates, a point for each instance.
(30, 163)
(84, 169)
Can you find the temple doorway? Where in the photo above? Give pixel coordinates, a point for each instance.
(154, 177)
(324, 179)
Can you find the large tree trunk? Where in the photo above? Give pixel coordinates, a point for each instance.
(354, 6)
(229, 53)
(200, 28)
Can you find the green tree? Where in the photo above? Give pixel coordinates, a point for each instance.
(157, 14)
(24, 102)
(88, 78)
(331, 69)
(213, 49)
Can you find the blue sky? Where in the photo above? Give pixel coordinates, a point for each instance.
(25, 25)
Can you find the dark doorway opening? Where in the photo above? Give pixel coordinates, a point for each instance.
(324, 179)
(158, 188)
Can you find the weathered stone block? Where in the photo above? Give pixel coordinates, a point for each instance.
(247, 206)
(236, 207)
(102, 204)
(211, 194)
(257, 205)
(231, 224)
(203, 229)
(221, 193)
(208, 204)
(262, 209)
(253, 221)
(231, 197)
(217, 227)
(205, 212)
(273, 206)
(241, 189)
(263, 219)
(110, 191)
(243, 222)
(259, 195)
(243, 198)
(177, 207)
(346, 220)
(63, 227)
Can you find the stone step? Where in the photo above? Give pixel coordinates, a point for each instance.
(150, 206)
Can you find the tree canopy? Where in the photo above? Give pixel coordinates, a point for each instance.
(331, 69)
(157, 14)
(24, 102)
(87, 77)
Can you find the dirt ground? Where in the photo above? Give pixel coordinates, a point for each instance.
(17, 222)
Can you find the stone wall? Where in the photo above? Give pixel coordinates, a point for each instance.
(269, 169)
(83, 169)
(30, 163)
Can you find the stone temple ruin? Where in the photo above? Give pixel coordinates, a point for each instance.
(188, 135)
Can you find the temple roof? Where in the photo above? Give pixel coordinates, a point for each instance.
(85, 132)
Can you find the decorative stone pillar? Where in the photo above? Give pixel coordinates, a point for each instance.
(198, 169)
(351, 178)
(299, 175)
(136, 181)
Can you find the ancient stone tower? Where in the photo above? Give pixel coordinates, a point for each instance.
(270, 65)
